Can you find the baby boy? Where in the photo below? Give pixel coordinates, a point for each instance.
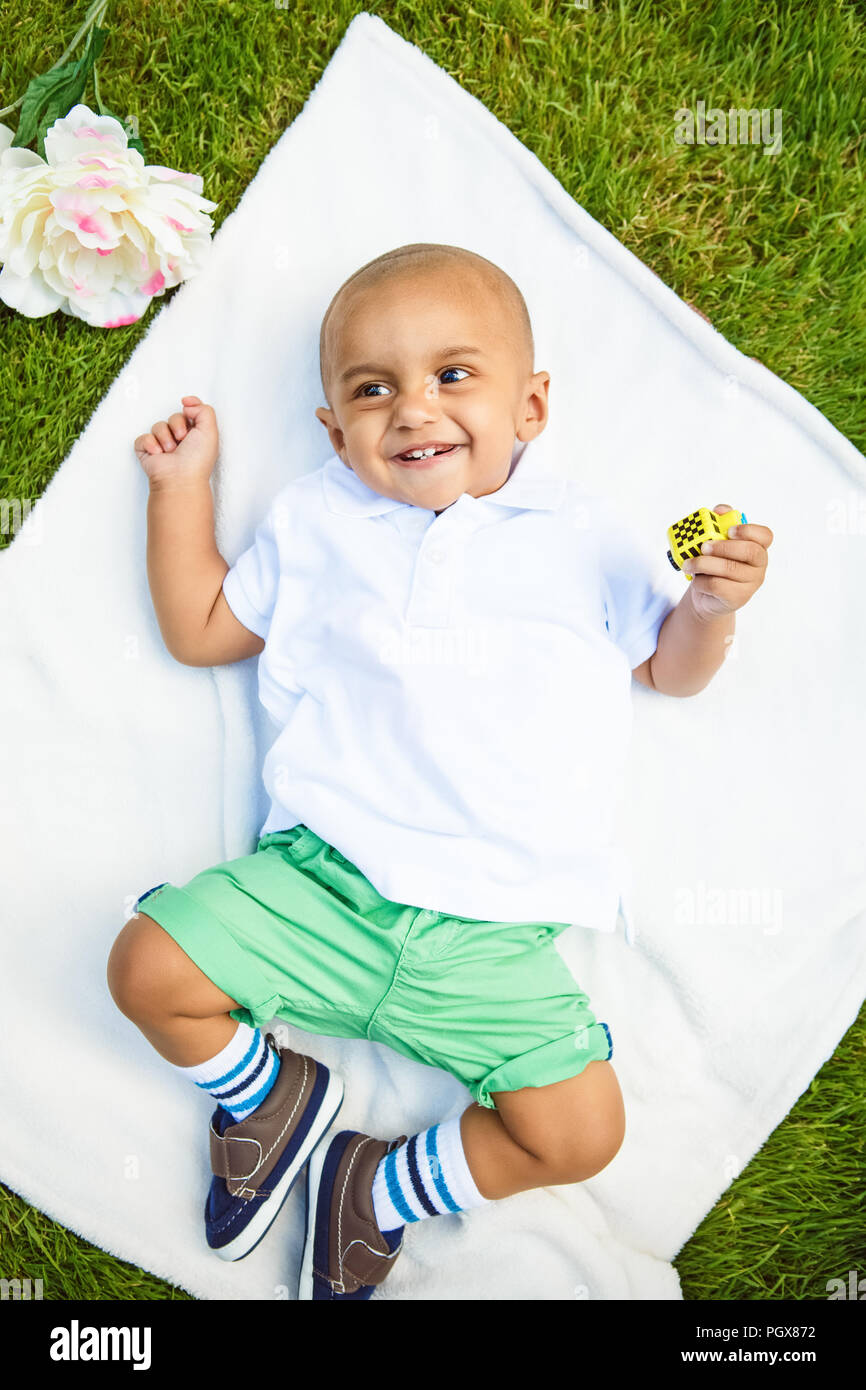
(447, 630)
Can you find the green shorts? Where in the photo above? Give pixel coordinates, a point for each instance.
(294, 931)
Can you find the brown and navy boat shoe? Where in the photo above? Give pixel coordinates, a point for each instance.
(256, 1161)
(346, 1256)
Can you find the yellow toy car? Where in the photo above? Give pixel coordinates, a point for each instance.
(687, 536)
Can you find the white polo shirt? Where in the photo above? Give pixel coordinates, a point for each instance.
(453, 692)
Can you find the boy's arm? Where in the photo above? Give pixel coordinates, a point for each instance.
(225, 639)
(694, 636)
(642, 673)
(186, 571)
(689, 652)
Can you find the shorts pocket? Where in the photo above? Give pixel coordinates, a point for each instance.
(444, 938)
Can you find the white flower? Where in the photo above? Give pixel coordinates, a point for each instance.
(91, 229)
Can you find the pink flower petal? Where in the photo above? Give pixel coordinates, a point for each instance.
(86, 223)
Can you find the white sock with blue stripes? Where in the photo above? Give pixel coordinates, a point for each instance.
(426, 1176)
(240, 1076)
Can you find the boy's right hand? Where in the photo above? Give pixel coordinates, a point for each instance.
(183, 448)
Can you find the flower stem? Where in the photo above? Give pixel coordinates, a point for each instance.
(94, 15)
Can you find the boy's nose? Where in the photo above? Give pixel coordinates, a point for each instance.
(415, 407)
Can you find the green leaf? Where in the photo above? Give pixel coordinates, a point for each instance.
(36, 98)
(54, 93)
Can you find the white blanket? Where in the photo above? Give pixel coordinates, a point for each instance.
(123, 768)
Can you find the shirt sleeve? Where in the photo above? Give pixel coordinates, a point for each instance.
(638, 595)
(250, 586)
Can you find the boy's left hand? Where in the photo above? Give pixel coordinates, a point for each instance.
(729, 573)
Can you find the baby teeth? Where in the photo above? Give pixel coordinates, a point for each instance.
(421, 453)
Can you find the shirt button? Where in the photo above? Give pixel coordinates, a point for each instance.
(436, 557)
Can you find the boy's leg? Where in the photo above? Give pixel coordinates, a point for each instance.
(543, 1136)
(498, 1005)
(160, 988)
(185, 1017)
(539, 1136)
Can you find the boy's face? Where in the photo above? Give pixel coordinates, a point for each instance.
(414, 380)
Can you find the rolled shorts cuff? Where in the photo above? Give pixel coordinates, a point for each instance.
(552, 1061)
(209, 943)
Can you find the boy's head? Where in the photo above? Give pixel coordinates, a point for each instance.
(430, 343)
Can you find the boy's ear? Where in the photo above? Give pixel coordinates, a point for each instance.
(335, 434)
(327, 418)
(537, 409)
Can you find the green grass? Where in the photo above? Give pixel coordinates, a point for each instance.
(772, 249)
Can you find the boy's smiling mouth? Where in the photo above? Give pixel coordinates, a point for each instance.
(425, 455)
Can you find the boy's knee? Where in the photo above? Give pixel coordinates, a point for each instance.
(138, 969)
(592, 1135)
(588, 1152)
(596, 1152)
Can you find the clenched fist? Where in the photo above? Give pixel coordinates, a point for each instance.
(731, 571)
(183, 448)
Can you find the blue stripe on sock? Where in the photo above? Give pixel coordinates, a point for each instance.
(436, 1168)
(247, 1081)
(235, 1071)
(394, 1189)
(254, 1101)
(415, 1175)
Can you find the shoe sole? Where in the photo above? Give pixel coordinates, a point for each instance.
(314, 1183)
(246, 1242)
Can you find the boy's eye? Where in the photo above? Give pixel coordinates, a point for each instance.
(372, 385)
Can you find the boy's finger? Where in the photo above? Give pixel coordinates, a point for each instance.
(748, 552)
(751, 531)
(747, 530)
(163, 435)
(726, 567)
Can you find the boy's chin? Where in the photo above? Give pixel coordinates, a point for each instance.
(436, 501)
(431, 498)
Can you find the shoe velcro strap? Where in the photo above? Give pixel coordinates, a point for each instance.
(234, 1159)
(364, 1265)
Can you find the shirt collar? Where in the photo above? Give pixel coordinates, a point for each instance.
(530, 484)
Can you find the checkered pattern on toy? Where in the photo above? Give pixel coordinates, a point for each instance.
(692, 527)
